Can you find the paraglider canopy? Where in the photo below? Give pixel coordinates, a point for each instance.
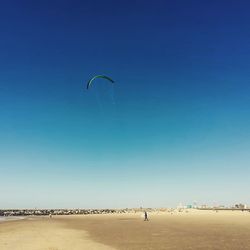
(98, 76)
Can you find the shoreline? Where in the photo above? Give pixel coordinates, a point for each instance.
(11, 218)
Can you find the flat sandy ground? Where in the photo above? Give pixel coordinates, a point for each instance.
(193, 230)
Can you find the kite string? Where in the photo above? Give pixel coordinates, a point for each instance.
(112, 102)
(99, 102)
(113, 99)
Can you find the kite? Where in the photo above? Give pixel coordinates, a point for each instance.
(98, 76)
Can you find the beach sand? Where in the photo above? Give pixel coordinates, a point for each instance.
(44, 234)
(193, 230)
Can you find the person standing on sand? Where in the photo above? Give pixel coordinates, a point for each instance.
(145, 216)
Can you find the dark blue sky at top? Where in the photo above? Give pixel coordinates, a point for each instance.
(182, 84)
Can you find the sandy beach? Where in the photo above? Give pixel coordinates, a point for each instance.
(43, 233)
(192, 230)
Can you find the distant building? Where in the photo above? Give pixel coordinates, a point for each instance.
(180, 206)
(204, 206)
(240, 206)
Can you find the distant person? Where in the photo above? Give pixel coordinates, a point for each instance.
(145, 216)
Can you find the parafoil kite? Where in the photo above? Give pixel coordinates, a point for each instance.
(98, 76)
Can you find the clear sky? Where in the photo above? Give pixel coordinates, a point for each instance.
(175, 126)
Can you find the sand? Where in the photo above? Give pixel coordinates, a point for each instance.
(44, 234)
(193, 230)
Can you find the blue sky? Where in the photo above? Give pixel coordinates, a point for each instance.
(175, 127)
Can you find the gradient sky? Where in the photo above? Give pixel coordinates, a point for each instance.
(175, 127)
